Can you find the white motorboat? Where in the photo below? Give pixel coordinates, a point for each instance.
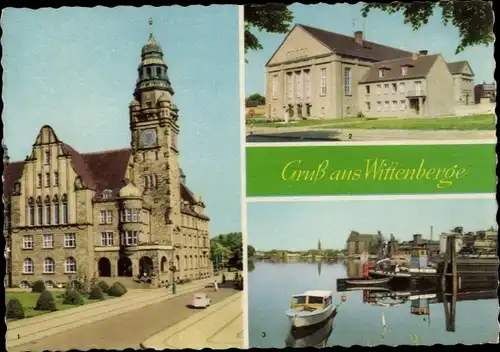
(314, 337)
(311, 308)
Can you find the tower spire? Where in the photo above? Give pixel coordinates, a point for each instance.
(150, 21)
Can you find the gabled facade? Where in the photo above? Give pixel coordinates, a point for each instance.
(114, 213)
(319, 74)
(463, 82)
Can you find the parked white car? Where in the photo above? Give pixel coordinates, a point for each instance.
(200, 300)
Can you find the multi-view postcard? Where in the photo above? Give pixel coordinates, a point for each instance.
(120, 232)
(249, 176)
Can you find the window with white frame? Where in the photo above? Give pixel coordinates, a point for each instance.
(109, 216)
(28, 266)
(47, 157)
(48, 241)
(379, 89)
(129, 238)
(127, 215)
(379, 106)
(386, 88)
(394, 88)
(401, 87)
(307, 83)
(102, 217)
(48, 266)
(402, 104)
(275, 87)
(28, 242)
(69, 240)
(347, 81)
(135, 215)
(298, 84)
(70, 265)
(394, 105)
(368, 106)
(380, 73)
(107, 238)
(386, 106)
(107, 193)
(323, 82)
(404, 70)
(289, 85)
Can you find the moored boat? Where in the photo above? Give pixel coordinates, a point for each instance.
(311, 308)
(363, 281)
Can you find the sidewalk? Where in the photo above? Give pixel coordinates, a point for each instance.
(218, 327)
(27, 330)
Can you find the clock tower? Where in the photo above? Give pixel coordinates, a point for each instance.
(154, 130)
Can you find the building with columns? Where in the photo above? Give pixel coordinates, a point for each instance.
(319, 74)
(116, 213)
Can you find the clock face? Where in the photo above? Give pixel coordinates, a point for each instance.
(148, 138)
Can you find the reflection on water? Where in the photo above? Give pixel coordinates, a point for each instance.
(316, 337)
(371, 316)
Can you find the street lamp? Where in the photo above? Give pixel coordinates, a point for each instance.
(173, 269)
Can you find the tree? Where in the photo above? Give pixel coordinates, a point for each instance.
(473, 18)
(256, 97)
(272, 18)
(250, 251)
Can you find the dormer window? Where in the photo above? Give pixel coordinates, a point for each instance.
(380, 73)
(404, 70)
(106, 194)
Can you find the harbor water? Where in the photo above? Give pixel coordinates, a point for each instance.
(271, 285)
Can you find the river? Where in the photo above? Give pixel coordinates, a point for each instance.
(271, 285)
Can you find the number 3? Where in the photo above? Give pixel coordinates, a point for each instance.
(264, 334)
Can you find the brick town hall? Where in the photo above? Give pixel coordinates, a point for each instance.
(113, 213)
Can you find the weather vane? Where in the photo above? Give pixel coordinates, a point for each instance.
(150, 27)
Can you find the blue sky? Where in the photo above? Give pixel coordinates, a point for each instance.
(378, 27)
(75, 70)
(299, 225)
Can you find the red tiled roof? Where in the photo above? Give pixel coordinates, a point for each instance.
(79, 165)
(345, 45)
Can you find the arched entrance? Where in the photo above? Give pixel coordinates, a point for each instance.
(124, 266)
(104, 267)
(164, 264)
(145, 266)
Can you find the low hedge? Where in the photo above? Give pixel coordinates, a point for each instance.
(14, 309)
(117, 290)
(46, 302)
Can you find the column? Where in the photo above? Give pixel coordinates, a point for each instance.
(420, 106)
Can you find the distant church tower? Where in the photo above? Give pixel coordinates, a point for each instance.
(154, 132)
(319, 245)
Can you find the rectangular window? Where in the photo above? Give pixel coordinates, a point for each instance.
(380, 73)
(401, 87)
(48, 241)
(323, 82)
(107, 238)
(394, 88)
(39, 214)
(379, 89)
(48, 213)
(418, 87)
(69, 240)
(379, 106)
(65, 213)
(134, 215)
(128, 215)
(39, 180)
(56, 178)
(31, 214)
(155, 177)
(56, 213)
(394, 105)
(386, 106)
(28, 242)
(129, 238)
(386, 88)
(367, 90)
(109, 216)
(402, 104)
(298, 84)
(347, 81)
(275, 87)
(47, 157)
(47, 179)
(404, 70)
(368, 106)
(102, 217)
(289, 85)
(307, 83)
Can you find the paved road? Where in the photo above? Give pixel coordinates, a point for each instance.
(127, 330)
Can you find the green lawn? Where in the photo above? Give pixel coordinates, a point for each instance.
(29, 299)
(465, 123)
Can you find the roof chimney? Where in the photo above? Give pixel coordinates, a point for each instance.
(358, 37)
(423, 52)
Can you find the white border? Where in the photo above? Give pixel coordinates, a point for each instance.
(241, 37)
(374, 143)
(377, 197)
